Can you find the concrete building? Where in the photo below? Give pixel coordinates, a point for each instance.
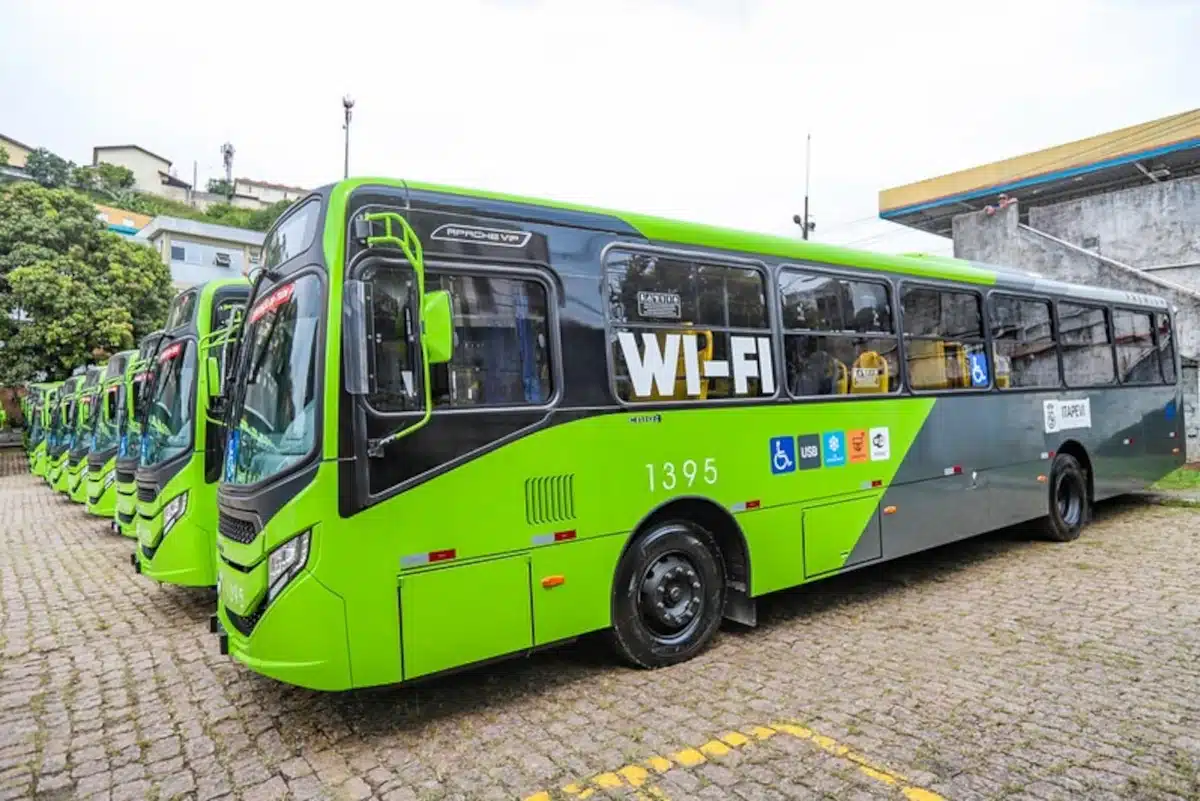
(151, 172)
(1119, 210)
(198, 251)
(17, 151)
(265, 192)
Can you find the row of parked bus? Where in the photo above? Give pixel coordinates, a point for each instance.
(103, 436)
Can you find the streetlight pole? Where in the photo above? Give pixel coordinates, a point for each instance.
(347, 104)
(803, 222)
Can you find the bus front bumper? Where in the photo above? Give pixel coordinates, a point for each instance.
(101, 497)
(76, 484)
(298, 638)
(183, 556)
(125, 513)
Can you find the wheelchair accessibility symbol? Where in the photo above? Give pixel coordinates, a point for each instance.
(979, 370)
(783, 455)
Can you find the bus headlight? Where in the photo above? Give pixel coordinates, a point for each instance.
(110, 478)
(174, 510)
(286, 561)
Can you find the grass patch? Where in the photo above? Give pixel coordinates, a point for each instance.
(1186, 477)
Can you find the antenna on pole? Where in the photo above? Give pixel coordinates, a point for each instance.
(227, 158)
(347, 105)
(805, 224)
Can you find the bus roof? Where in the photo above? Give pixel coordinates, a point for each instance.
(663, 230)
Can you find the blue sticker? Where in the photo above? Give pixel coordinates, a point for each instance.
(979, 369)
(783, 455)
(231, 453)
(833, 448)
(1170, 410)
(124, 445)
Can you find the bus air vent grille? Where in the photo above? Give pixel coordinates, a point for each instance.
(549, 499)
(242, 531)
(146, 494)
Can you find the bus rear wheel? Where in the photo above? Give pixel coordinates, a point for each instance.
(668, 595)
(1068, 499)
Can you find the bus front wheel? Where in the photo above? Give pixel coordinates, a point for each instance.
(668, 595)
(1068, 500)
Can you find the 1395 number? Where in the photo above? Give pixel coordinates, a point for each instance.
(668, 475)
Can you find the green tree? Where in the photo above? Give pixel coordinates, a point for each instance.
(49, 169)
(113, 178)
(3, 156)
(219, 186)
(81, 293)
(262, 219)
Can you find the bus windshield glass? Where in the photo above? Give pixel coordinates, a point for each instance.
(105, 431)
(169, 418)
(279, 385)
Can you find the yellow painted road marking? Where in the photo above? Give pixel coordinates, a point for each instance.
(636, 776)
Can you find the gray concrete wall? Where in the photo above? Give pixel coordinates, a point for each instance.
(1002, 240)
(1146, 226)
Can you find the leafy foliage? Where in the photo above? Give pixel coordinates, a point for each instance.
(49, 169)
(84, 293)
(219, 186)
(3, 156)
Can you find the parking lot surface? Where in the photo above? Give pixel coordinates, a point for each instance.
(1001, 667)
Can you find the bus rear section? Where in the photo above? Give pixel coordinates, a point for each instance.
(102, 458)
(180, 454)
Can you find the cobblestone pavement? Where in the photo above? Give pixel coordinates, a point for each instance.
(999, 667)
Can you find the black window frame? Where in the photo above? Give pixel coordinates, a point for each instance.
(435, 267)
(770, 288)
(1112, 350)
(1050, 302)
(780, 332)
(985, 338)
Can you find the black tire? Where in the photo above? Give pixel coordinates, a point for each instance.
(668, 595)
(1068, 500)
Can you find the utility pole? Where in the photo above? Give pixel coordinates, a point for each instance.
(347, 104)
(805, 224)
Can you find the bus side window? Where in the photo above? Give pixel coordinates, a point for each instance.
(1023, 342)
(839, 335)
(943, 339)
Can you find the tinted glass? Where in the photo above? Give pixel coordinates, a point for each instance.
(941, 313)
(169, 422)
(816, 302)
(1166, 348)
(1087, 349)
(1023, 337)
(293, 236)
(1137, 360)
(653, 289)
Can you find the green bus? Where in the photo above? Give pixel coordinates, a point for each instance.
(465, 426)
(81, 442)
(129, 433)
(102, 456)
(181, 451)
(62, 431)
(43, 398)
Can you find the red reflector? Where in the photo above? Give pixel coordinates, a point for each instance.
(559, 536)
(753, 504)
(876, 483)
(1051, 454)
(441, 556)
(957, 469)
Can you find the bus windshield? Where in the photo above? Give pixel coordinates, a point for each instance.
(169, 419)
(279, 386)
(105, 430)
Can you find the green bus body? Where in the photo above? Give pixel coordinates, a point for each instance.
(102, 455)
(63, 432)
(41, 411)
(81, 442)
(129, 433)
(180, 456)
(642, 425)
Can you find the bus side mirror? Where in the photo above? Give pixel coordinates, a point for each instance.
(439, 328)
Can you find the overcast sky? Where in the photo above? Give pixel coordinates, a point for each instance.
(695, 109)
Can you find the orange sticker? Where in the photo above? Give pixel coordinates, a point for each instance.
(857, 447)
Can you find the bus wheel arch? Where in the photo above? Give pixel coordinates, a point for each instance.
(714, 554)
(1075, 449)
